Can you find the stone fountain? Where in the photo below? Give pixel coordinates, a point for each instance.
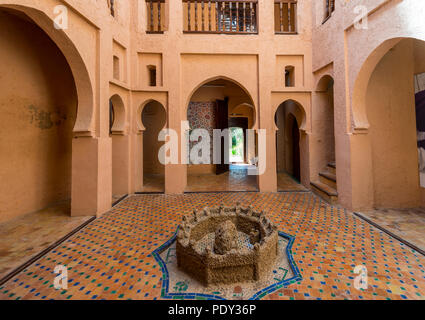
(225, 245)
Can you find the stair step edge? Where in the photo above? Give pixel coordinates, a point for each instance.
(325, 188)
(328, 175)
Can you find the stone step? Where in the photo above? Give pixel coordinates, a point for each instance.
(331, 167)
(324, 191)
(328, 178)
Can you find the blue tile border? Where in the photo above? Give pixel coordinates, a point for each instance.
(257, 296)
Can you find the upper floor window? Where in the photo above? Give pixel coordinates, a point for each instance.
(220, 16)
(152, 76)
(289, 76)
(285, 16)
(111, 116)
(329, 8)
(156, 16)
(111, 5)
(116, 68)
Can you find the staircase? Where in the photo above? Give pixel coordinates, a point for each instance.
(326, 186)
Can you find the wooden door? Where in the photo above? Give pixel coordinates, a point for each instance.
(296, 157)
(222, 122)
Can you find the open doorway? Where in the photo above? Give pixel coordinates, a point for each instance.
(38, 107)
(420, 123)
(237, 145)
(224, 105)
(238, 152)
(154, 119)
(294, 141)
(288, 150)
(323, 170)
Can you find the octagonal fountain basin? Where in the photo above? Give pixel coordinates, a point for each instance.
(225, 245)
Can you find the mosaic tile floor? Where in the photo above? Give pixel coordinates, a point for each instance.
(112, 257)
(26, 236)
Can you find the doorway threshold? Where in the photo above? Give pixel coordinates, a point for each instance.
(391, 234)
(223, 191)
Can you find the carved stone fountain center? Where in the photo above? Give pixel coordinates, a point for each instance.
(225, 245)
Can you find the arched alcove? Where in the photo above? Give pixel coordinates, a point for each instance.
(84, 124)
(324, 130)
(38, 107)
(390, 177)
(221, 103)
(290, 146)
(390, 110)
(117, 115)
(153, 117)
(120, 146)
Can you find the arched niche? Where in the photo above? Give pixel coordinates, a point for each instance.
(37, 13)
(153, 119)
(118, 115)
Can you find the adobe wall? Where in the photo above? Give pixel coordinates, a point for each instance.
(84, 49)
(280, 140)
(252, 61)
(351, 56)
(38, 106)
(391, 114)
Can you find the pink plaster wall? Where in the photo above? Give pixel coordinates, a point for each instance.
(38, 105)
(391, 113)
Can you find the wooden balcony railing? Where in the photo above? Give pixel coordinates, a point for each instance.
(220, 16)
(156, 16)
(285, 16)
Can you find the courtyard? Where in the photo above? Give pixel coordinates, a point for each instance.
(118, 119)
(112, 257)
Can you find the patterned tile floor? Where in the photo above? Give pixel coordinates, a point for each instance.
(112, 257)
